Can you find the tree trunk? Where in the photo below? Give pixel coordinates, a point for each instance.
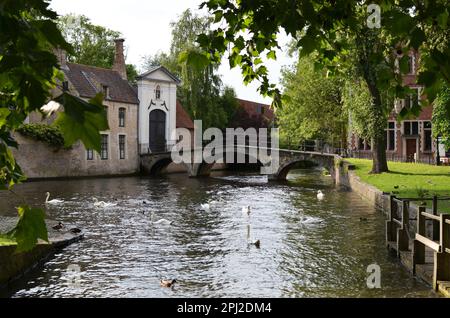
(379, 139)
(379, 155)
(367, 48)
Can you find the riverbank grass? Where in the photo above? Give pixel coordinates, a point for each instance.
(4, 241)
(409, 180)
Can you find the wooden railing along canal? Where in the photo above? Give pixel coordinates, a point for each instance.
(424, 243)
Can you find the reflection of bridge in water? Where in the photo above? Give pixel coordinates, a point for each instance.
(277, 162)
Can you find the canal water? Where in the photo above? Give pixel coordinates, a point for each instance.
(309, 248)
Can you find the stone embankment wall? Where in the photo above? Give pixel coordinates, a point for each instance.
(15, 265)
(39, 161)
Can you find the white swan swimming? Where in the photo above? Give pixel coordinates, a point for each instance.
(247, 210)
(55, 201)
(205, 207)
(160, 222)
(320, 195)
(103, 204)
(250, 239)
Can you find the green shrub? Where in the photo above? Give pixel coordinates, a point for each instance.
(50, 135)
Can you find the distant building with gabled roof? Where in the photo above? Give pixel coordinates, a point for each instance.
(142, 119)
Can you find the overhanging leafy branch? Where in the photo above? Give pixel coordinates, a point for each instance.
(28, 73)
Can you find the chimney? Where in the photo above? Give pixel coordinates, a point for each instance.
(119, 59)
(61, 56)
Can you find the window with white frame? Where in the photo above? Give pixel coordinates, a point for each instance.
(122, 154)
(105, 91)
(65, 86)
(413, 99)
(89, 154)
(427, 136)
(104, 147)
(364, 144)
(390, 136)
(122, 112)
(411, 128)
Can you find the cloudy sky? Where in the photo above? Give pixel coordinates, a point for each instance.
(145, 26)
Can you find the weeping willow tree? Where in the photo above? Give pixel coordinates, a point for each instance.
(202, 92)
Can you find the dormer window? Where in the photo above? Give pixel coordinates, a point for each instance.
(158, 92)
(105, 91)
(412, 100)
(65, 86)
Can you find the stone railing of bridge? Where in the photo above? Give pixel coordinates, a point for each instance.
(153, 164)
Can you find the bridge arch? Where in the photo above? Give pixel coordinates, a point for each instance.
(155, 165)
(204, 168)
(291, 159)
(284, 170)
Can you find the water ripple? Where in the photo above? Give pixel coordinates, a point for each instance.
(309, 248)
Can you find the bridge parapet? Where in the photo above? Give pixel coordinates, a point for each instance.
(153, 164)
(290, 158)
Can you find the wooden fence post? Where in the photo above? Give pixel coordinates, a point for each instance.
(435, 223)
(390, 225)
(419, 248)
(402, 233)
(442, 259)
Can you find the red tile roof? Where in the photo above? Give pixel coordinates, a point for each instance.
(183, 118)
(253, 109)
(89, 81)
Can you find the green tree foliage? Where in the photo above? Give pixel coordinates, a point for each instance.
(132, 73)
(28, 73)
(335, 30)
(357, 102)
(229, 103)
(92, 44)
(441, 117)
(201, 92)
(161, 58)
(312, 107)
(29, 229)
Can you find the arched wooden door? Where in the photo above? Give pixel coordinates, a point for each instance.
(157, 131)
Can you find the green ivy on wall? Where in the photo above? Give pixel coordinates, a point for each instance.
(50, 135)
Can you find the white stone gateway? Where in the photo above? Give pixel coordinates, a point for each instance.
(157, 94)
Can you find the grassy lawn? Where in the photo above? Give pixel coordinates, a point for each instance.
(6, 242)
(413, 180)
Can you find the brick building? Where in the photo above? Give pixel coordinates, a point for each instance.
(252, 114)
(141, 119)
(409, 140)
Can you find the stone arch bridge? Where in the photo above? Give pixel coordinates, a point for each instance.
(277, 169)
